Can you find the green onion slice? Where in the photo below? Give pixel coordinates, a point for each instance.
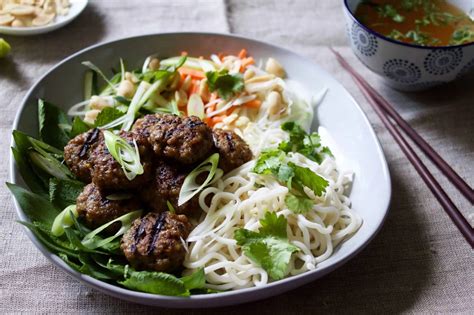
(92, 240)
(64, 220)
(127, 156)
(96, 69)
(190, 188)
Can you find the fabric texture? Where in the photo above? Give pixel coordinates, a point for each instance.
(419, 262)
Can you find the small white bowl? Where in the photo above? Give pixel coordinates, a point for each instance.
(77, 6)
(408, 67)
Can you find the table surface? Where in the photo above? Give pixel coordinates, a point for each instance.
(418, 263)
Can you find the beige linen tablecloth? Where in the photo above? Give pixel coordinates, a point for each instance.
(418, 263)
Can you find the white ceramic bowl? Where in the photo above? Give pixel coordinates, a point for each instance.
(408, 67)
(77, 6)
(358, 149)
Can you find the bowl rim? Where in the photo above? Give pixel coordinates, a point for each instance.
(346, 7)
(193, 300)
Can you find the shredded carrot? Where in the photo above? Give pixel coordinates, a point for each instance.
(196, 74)
(253, 104)
(247, 62)
(221, 56)
(184, 53)
(217, 119)
(230, 111)
(242, 54)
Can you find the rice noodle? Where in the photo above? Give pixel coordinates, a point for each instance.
(241, 198)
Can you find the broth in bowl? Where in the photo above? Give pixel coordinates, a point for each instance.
(421, 22)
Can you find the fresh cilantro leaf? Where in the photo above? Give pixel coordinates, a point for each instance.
(298, 204)
(269, 247)
(226, 85)
(107, 115)
(305, 177)
(306, 144)
(269, 162)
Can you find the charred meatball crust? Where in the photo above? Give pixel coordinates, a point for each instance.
(165, 186)
(143, 125)
(108, 174)
(185, 140)
(94, 207)
(77, 153)
(233, 151)
(156, 242)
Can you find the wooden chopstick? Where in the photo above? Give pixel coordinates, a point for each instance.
(450, 208)
(444, 167)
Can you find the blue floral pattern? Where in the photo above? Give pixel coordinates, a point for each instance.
(441, 62)
(467, 67)
(402, 71)
(365, 43)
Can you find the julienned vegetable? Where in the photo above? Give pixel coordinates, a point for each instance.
(125, 154)
(4, 48)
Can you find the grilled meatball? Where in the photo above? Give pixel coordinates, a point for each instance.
(232, 149)
(185, 140)
(77, 153)
(166, 186)
(107, 173)
(96, 209)
(155, 242)
(143, 125)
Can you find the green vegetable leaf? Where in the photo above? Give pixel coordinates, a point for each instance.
(269, 247)
(298, 204)
(107, 115)
(305, 177)
(194, 281)
(36, 207)
(29, 176)
(52, 125)
(226, 85)
(78, 127)
(154, 282)
(306, 144)
(64, 192)
(269, 162)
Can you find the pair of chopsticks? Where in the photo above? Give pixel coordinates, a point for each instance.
(393, 122)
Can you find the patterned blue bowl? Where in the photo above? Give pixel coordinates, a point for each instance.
(408, 67)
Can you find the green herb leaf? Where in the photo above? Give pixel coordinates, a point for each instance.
(298, 204)
(226, 85)
(269, 247)
(36, 207)
(195, 280)
(269, 162)
(64, 192)
(306, 144)
(305, 177)
(154, 282)
(78, 127)
(52, 122)
(107, 115)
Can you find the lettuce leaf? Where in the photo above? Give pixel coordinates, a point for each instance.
(53, 125)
